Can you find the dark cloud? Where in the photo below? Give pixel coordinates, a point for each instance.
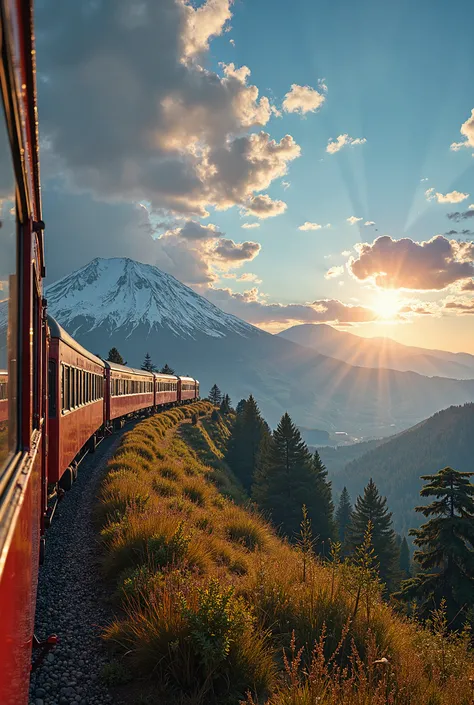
(128, 110)
(457, 216)
(405, 264)
(460, 306)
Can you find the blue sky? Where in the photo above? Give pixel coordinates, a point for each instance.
(396, 75)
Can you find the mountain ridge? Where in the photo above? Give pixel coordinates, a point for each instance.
(380, 352)
(137, 308)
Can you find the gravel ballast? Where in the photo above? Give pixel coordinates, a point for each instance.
(71, 599)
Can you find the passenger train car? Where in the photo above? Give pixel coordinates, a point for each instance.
(57, 400)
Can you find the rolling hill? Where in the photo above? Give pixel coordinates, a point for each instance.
(396, 464)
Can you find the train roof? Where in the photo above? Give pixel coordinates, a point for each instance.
(183, 378)
(162, 375)
(129, 370)
(58, 331)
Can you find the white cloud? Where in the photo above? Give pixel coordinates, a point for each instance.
(166, 129)
(341, 141)
(251, 307)
(346, 253)
(263, 206)
(425, 179)
(369, 223)
(471, 207)
(334, 272)
(232, 42)
(286, 184)
(249, 226)
(467, 130)
(249, 277)
(353, 220)
(452, 197)
(310, 226)
(304, 99)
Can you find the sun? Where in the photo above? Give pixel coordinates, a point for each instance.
(387, 304)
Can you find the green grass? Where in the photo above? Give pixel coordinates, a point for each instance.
(213, 606)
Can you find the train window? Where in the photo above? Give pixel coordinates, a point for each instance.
(52, 388)
(8, 299)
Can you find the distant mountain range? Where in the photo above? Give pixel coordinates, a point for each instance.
(380, 352)
(139, 309)
(396, 464)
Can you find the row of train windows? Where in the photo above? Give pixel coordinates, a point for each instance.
(79, 387)
(188, 387)
(128, 386)
(3, 391)
(166, 386)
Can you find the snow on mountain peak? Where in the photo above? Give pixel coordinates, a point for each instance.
(121, 293)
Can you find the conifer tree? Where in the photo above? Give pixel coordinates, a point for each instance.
(287, 478)
(225, 407)
(167, 370)
(148, 364)
(343, 515)
(248, 433)
(404, 565)
(215, 395)
(371, 507)
(115, 356)
(323, 521)
(240, 406)
(446, 541)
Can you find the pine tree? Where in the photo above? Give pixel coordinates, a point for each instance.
(215, 395)
(323, 521)
(167, 370)
(371, 507)
(343, 515)
(148, 364)
(405, 568)
(115, 356)
(225, 407)
(446, 541)
(240, 406)
(287, 478)
(243, 450)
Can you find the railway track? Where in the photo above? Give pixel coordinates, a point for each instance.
(71, 598)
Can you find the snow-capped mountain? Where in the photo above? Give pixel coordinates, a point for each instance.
(139, 309)
(120, 293)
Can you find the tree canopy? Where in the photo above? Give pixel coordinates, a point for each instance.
(343, 515)
(167, 370)
(115, 356)
(446, 540)
(215, 395)
(371, 507)
(248, 433)
(148, 364)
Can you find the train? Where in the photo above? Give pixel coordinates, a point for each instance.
(57, 399)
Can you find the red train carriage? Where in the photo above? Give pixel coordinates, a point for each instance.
(76, 403)
(188, 389)
(22, 348)
(127, 391)
(166, 389)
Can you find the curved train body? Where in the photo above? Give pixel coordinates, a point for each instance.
(56, 398)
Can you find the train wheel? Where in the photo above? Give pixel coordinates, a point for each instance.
(67, 479)
(42, 550)
(92, 443)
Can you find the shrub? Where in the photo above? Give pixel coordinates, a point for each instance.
(164, 488)
(247, 532)
(195, 493)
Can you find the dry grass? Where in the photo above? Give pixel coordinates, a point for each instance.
(217, 608)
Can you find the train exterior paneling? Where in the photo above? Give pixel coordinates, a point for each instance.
(187, 389)
(22, 347)
(166, 390)
(127, 391)
(3, 397)
(76, 399)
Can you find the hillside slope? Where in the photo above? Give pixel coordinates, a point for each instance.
(380, 352)
(207, 595)
(138, 309)
(447, 438)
